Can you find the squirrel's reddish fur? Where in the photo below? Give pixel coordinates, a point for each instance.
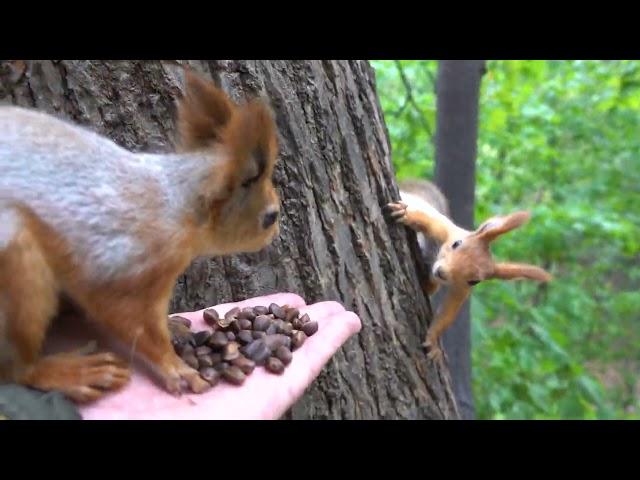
(463, 258)
(112, 230)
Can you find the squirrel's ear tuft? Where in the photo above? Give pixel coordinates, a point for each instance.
(203, 112)
(253, 140)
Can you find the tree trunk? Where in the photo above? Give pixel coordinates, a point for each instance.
(458, 91)
(334, 175)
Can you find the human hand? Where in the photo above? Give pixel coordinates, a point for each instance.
(262, 396)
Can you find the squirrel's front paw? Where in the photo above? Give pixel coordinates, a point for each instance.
(435, 352)
(181, 377)
(396, 211)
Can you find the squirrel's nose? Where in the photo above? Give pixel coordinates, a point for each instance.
(440, 273)
(269, 219)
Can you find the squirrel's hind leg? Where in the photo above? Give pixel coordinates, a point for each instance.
(28, 302)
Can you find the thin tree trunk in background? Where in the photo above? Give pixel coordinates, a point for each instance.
(334, 175)
(458, 91)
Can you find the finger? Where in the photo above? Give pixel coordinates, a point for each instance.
(309, 361)
(268, 396)
(265, 396)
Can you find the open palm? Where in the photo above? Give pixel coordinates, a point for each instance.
(262, 396)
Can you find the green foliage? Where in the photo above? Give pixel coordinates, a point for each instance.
(561, 138)
(406, 91)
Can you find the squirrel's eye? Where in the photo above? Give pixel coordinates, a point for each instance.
(456, 244)
(249, 181)
(473, 282)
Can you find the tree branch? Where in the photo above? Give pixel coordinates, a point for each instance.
(411, 100)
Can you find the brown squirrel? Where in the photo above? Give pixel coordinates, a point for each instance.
(463, 258)
(83, 218)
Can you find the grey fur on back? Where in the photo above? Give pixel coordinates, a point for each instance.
(428, 192)
(82, 185)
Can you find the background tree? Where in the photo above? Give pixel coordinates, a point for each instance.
(456, 135)
(334, 175)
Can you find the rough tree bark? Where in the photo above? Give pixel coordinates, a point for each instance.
(334, 175)
(458, 91)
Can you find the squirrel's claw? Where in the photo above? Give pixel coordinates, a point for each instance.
(395, 211)
(435, 352)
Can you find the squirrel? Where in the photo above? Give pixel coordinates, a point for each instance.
(110, 229)
(463, 257)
